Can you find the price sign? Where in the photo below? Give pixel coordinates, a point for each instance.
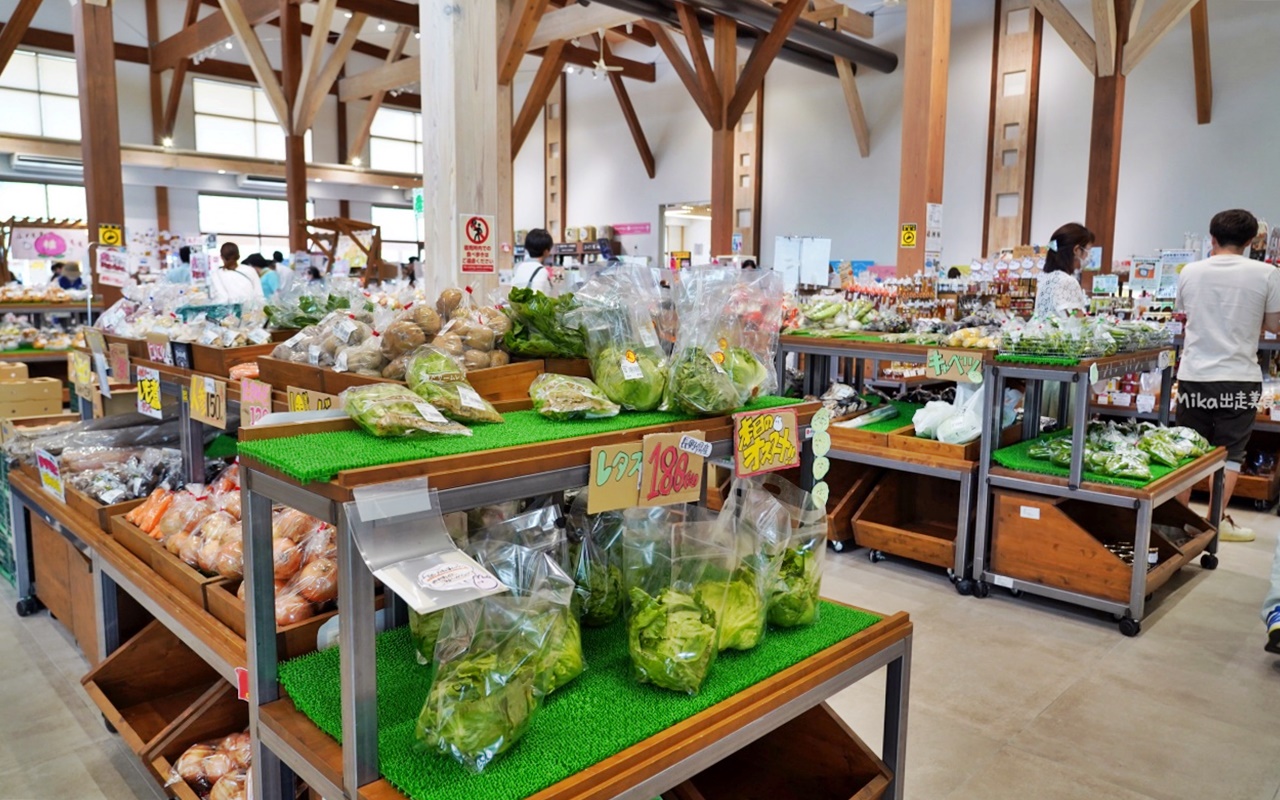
(149, 392)
(765, 441)
(672, 468)
(181, 354)
(93, 338)
(208, 399)
(308, 400)
(158, 349)
(1167, 358)
(1146, 403)
(50, 475)
(119, 357)
(962, 366)
(614, 482)
(255, 401)
(81, 369)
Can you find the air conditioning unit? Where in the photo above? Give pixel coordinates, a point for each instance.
(48, 165)
(262, 183)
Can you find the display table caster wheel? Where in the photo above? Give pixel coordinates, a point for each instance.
(28, 606)
(981, 589)
(1130, 626)
(1209, 561)
(1015, 592)
(106, 723)
(875, 556)
(1262, 505)
(836, 545)
(965, 586)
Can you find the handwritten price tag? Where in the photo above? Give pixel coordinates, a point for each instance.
(158, 348)
(81, 369)
(149, 392)
(50, 475)
(93, 338)
(765, 441)
(673, 468)
(962, 366)
(255, 401)
(208, 399)
(119, 357)
(308, 400)
(614, 482)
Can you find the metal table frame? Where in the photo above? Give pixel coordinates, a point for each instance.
(276, 761)
(1078, 380)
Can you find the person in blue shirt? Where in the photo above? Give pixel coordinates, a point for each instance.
(69, 279)
(266, 272)
(182, 272)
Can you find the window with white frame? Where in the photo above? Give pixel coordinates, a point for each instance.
(37, 200)
(400, 234)
(40, 96)
(256, 225)
(395, 141)
(235, 119)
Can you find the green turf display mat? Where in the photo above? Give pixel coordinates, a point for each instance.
(32, 351)
(320, 456)
(1015, 457)
(1048, 361)
(600, 714)
(222, 447)
(905, 412)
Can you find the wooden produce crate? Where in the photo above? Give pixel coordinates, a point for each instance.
(220, 360)
(82, 503)
(283, 374)
(856, 437)
(577, 367)
(30, 398)
(64, 583)
(222, 714)
(9, 427)
(906, 439)
(291, 640)
(1060, 543)
(911, 516)
(815, 756)
(182, 576)
(1262, 489)
(137, 347)
(150, 686)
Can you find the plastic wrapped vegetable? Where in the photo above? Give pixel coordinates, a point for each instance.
(457, 400)
(538, 326)
(677, 569)
(424, 629)
(1160, 446)
(432, 364)
(700, 386)
(594, 560)
(1127, 464)
(616, 318)
(796, 593)
(391, 410)
(564, 397)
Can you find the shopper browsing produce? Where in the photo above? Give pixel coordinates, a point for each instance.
(1058, 292)
(532, 273)
(1229, 301)
(182, 272)
(235, 282)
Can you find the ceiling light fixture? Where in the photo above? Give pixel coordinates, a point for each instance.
(382, 26)
(417, 34)
(222, 172)
(346, 14)
(230, 45)
(355, 161)
(166, 142)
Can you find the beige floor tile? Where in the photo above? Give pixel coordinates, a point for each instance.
(1015, 775)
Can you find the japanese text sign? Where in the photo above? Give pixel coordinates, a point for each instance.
(962, 366)
(614, 480)
(672, 468)
(50, 475)
(208, 401)
(765, 441)
(149, 392)
(255, 401)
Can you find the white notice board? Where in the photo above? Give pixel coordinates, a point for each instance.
(802, 260)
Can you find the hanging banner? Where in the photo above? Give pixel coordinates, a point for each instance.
(48, 243)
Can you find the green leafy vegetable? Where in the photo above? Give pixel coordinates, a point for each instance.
(424, 629)
(432, 364)
(700, 386)
(597, 595)
(538, 326)
(746, 372)
(457, 400)
(388, 409)
(630, 376)
(560, 659)
(564, 397)
(794, 598)
(742, 609)
(671, 638)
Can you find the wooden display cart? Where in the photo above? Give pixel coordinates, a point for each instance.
(327, 233)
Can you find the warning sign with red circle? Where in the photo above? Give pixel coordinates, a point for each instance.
(479, 253)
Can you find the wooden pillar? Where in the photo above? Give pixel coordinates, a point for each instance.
(748, 150)
(93, 34)
(460, 121)
(295, 150)
(1104, 150)
(506, 231)
(157, 114)
(924, 121)
(723, 138)
(555, 123)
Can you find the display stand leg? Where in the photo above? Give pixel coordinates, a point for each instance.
(995, 379)
(847, 364)
(780, 367)
(1166, 394)
(1032, 402)
(1216, 508)
(964, 532)
(1141, 542)
(806, 464)
(84, 408)
(1079, 424)
(398, 610)
(260, 629)
(356, 648)
(897, 688)
(859, 379)
(191, 442)
(107, 607)
(24, 577)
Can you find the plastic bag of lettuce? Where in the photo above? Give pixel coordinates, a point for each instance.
(615, 313)
(796, 592)
(727, 339)
(676, 566)
(595, 563)
(495, 657)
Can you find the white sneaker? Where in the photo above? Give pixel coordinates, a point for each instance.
(1229, 531)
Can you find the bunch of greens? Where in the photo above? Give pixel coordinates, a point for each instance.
(307, 309)
(597, 600)
(424, 629)
(564, 397)
(561, 659)
(539, 328)
(743, 611)
(387, 409)
(671, 639)
(595, 556)
(458, 400)
(1122, 460)
(746, 372)
(630, 375)
(429, 363)
(796, 591)
(700, 386)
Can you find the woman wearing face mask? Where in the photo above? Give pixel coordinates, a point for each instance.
(1058, 292)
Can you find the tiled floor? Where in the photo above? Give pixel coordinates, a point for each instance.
(1012, 699)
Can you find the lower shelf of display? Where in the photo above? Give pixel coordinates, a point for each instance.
(315, 747)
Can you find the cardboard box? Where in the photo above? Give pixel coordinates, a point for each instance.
(13, 371)
(30, 398)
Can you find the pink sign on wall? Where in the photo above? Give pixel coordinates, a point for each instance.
(633, 229)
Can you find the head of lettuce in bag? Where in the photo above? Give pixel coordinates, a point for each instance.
(616, 318)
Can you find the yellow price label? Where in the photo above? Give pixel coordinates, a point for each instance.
(208, 401)
(149, 392)
(765, 441)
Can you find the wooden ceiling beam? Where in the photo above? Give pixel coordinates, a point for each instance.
(364, 48)
(258, 61)
(1104, 36)
(1071, 31)
(391, 75)
(1169, 14)
(318, 89)
(521, 26)
(766, 49)
(845, 19)
(684, 71)
(629, 114)
(587, 58)
(15, 29)
(572, 22)
(179, 78)
(852, 99)
(376, 101)
(1200, 57)
(701, 62)
(314, 53)
(206, 33)
(543, 82)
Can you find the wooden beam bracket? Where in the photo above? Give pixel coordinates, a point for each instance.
(543, 82)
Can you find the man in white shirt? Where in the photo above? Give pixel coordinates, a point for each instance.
(234, 282)
(532, 273)
(1229, 301)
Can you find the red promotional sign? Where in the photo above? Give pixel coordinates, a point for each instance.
(479, 250)
(633, 229)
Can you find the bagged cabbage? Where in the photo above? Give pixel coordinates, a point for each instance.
(424, 630)
(616, 318)
(385, 410)
(430, 363)
(564, 397)
(796, 593)
(700, 386)
(595, 555)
